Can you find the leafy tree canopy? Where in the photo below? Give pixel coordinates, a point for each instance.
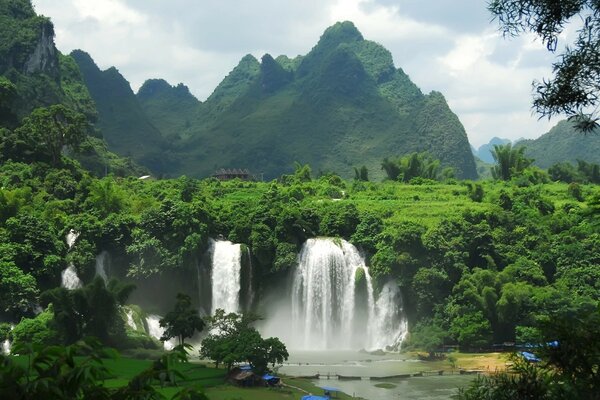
(574, 88)
(183, 321)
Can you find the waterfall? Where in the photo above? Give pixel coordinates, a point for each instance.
(69, 278)
(101, 262)
(71, 238)
(156, 331)
(130, 322)
(387, 324)
(250, 286)
(225, 275)
(6, 343)
(325, 311)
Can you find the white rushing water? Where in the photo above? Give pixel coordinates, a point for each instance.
(156, 331)
(130, 322)
(387, 324)
(101, 264)
(69, 278)
(71, 238)
(225, 275)
(326, 311)
(6, 343)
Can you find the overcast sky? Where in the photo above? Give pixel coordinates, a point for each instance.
(446, 45)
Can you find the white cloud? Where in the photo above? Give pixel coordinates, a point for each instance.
(446, 46)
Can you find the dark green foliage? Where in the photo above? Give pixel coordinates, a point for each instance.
(415, 165)
(574, 86)
(510, 162)
(121, 119)
(569, 368)
(18, 290)
(563, 143)
(429, 337)
(361, 174)
(575, 191)
(183, 321)
(170, 108)
(89, 311)
(233, 340)
(78, 371)
(475, 191)
(38, 331)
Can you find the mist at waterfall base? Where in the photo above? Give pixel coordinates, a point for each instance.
(331, 304)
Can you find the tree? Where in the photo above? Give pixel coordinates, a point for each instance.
(92, 310)
(361, 174)
(183, 321)
(428, 336)
(48, 130)
(574, 88)
(510, 161)
(18, 290)
(233, 339)
(569, 368)
(414, 165)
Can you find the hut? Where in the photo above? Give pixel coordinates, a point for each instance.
(243, 377)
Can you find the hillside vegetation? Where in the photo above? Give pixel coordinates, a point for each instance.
(563, 143)
(342, 105)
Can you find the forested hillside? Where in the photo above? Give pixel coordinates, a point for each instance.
(563, 143)
(478, 262)
(33, 73)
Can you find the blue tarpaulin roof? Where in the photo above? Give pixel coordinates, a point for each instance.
(330, 389)
(268, 377)
(246, 367)
(529, 356)
(313, 397)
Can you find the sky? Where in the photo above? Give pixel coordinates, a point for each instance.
(451, 46)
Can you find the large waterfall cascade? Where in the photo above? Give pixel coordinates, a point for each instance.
(69, 278)
(225, 275)
(326, 311)
(102, 260)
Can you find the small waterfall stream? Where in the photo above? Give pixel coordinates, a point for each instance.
(102, 260)
(6, 343)
(69, 278)
(156, 331)
(225, 275)
(130, 322)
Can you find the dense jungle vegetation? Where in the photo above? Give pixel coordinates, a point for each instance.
(477, 262)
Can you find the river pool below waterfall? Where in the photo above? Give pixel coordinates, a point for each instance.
(356, 364)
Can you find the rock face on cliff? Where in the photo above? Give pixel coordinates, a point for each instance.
(29, 60)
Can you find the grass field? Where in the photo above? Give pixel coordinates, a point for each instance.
(210, 380)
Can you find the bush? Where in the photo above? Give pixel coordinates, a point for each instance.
(36, 331)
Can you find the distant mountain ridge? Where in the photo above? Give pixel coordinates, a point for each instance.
(484, 152)
(342, 105)
(563, 143)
